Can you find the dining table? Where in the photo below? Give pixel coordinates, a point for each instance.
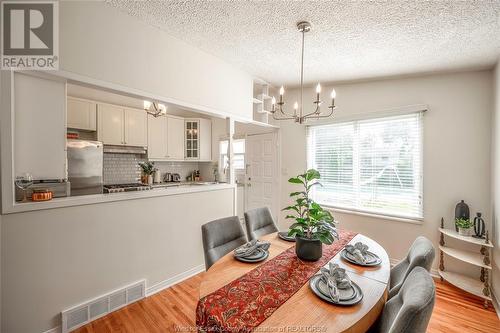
(303, 311)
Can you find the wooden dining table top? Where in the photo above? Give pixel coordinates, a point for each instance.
(304, 311)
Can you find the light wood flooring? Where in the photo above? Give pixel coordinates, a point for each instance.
(173, 310)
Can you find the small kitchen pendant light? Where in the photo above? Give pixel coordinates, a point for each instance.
(155, 109)
(298, 108)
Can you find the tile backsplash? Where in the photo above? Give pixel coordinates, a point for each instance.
(124, 168)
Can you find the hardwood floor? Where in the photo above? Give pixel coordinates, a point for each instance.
(173, 310)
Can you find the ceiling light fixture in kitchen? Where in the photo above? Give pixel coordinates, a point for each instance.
(155, 109)
(298, 108)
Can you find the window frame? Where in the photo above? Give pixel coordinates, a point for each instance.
(412, 110)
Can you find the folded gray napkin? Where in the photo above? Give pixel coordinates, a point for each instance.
(335, 278)
(358, 250)
(251, 247)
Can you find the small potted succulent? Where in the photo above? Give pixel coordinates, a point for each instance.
(313, 225)
(148, 168)
(464, 226)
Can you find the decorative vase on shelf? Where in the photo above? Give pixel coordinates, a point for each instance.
(479, 226)
(461, 211)
(464, 231)
(150, 179)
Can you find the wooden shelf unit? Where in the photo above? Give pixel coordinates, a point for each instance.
(479, 287)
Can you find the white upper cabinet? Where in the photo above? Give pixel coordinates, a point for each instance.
(39, 127)
(121, 126)
(111, 123)
(166, 138)
(175, 138)
(136, 127)
(198, 136)
(157, 137)
(205, 140)
(81, 114)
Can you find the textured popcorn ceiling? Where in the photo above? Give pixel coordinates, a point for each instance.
(348, 41)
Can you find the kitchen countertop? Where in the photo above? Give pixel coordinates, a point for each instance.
(157, 191)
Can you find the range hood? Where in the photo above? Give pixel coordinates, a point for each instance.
(124, 149)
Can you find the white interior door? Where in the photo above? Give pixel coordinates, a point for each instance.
(262, 183)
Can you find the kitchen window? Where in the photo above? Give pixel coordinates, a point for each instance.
(369, 166)
(238, 151)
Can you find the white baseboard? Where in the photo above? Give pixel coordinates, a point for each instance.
(174, 280)
(57, 329)
(494, 301)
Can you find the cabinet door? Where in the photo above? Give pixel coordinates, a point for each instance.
(81, 114)
(111, 124)
(157, 137)
(175, 138)
(136, 128)
(192, 132)
(205, 142)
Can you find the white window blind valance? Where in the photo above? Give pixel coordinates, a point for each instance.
(370, 165)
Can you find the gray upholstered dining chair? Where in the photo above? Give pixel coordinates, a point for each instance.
(421, 254)
(221, 237)
(410, 310)
(259, 222)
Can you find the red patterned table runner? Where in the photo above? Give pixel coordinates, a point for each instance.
(246, 302)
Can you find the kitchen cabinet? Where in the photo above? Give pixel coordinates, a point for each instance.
(111, 123)
(136, 127)
(198, 137)
(39, 127)
(81, 114)
(121, 126)
(175, 138)
(165, 138)
(157, 137)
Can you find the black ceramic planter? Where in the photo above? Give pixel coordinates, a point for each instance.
(308, 249)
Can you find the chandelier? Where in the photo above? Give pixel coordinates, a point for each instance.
(155, 109)
(298, 114)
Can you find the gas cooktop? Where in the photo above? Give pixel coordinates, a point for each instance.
(116, 188)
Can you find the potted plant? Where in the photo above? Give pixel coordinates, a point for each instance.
(464, 226)
(148, 168)
(313, 225)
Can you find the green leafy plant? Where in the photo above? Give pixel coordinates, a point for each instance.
(464, 223)
(148, 168)
(311, 220)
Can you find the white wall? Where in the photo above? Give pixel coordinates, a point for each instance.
(56, 258)
(496, 183)
(456, 148)
(101, 42)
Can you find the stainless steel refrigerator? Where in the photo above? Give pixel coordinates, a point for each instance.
(85, 166)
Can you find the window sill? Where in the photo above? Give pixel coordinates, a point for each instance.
(417, 221)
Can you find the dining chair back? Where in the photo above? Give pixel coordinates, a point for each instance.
(259, 222)
(221, 237)
(410, 310)
(421, 254)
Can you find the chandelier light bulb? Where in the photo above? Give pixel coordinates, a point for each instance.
(318, 88)
(333, 94)
(282, 91)
(296, 105)
(162, 108)
(147, 105)
(273, 101)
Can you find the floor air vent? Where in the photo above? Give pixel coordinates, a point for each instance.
(86, 312)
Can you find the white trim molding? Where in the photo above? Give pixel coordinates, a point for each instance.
(174, 280)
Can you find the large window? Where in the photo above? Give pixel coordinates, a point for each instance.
(372, 166)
